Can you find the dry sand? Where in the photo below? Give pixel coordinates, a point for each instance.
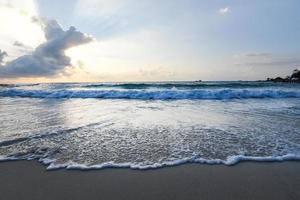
(24, 180)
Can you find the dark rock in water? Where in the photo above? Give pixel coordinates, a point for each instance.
(198, 81)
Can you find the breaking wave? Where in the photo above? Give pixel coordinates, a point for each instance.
(155, 94)
(178, 85)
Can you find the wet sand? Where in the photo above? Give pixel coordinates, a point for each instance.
(24, 180)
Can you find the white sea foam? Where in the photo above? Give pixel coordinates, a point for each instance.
(232, 160)
(95, 134)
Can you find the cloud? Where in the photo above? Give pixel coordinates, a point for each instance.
(18, 44)
(156, 72)
(49, 58)
(252, 55)
(224, 11)
(266, 59)
(22, 48)
(281, 62)
(15, 26)
(2, 55)
(257, 54)
(102, 8)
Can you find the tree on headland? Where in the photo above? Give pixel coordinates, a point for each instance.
(296, 74)
(294, 78)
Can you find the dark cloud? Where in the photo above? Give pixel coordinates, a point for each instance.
(48, 59)
(18, 44)
(2, 55)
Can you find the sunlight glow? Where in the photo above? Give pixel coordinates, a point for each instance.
(16, 26)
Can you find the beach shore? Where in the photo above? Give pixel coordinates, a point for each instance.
(248, 180)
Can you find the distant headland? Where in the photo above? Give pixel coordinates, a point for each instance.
(294, 78)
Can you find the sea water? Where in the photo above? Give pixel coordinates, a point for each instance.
(149, 125)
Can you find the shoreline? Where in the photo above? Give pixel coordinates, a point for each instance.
(246, 180)
(232, 161)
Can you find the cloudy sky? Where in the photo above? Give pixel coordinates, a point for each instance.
(147, 40)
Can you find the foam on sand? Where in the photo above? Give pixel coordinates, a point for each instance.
(232, 160)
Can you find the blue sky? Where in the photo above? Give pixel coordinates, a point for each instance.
(137, 40)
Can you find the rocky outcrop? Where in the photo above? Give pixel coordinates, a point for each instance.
(294, 78)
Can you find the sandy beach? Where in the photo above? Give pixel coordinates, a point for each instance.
(149, 100)
(247, 180)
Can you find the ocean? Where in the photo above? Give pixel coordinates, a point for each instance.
(149, 125)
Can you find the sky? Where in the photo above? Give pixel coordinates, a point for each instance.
(147, 40)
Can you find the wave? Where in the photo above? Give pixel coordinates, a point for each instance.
(17, 85)
(157, 85)
(230, 161)
(179, 85)
(7, 85)
(155, 94)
